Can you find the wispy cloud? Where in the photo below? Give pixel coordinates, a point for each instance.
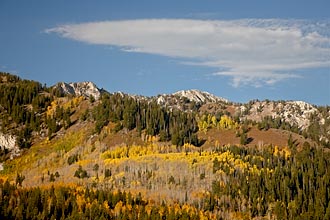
(256, 79)
(251, 51)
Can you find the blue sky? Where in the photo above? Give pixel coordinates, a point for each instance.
(239, 50)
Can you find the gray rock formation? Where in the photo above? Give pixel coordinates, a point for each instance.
(85, 89)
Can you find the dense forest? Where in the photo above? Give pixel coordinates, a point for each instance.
(23, 104)
(177, 126)
(76, 203)
(271, 183)
(291, 185)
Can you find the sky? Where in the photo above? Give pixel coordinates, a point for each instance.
(239, 50)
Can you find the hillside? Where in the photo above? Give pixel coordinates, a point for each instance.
(187, 155)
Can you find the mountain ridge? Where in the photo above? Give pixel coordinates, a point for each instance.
(294, 112)
(298, 116)
(87, 88)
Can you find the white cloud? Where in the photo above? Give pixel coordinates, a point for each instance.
(256, 79)
(251, 51)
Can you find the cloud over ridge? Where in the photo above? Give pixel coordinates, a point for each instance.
(251, 51)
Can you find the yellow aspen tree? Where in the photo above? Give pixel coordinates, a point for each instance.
(214, 121)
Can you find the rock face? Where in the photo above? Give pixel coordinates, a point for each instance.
(199, 96)
(8, 143)
(294, 112)
(86, 89)
(193, 95)
(299, 112)
(185, 98)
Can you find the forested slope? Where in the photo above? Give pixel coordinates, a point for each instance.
(118, 156)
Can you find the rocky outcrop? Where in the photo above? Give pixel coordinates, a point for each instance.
(294, 112)
(185, 100)
(85, 89)
(177, 99)
(199, 96)
(8, 143)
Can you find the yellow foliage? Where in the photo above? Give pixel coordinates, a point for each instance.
(84, 162)
(135, 183)
(254, 170)
(106, 205)
(118, 208)
(129, 207)
(177, 208)
(161, 210)
(214, 121)
(135, 151)
(284, 152)
(207, 121)
(148, 209)
(80, 201)
(227, 123)
(120, 175)
(77, 100)
(202, 123)
(202, 215)
(276, 152)
(51, 108)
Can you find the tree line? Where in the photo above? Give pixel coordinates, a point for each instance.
(64, 202)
